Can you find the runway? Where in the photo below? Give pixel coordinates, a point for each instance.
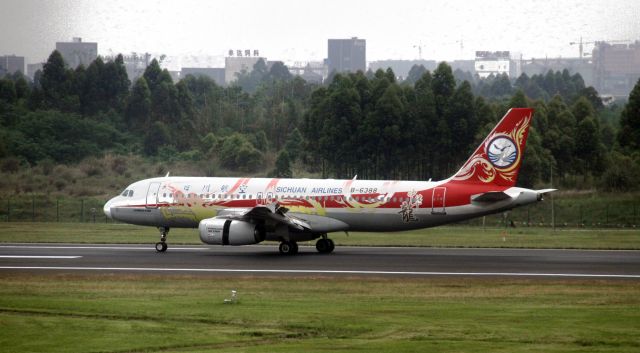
(345, 261)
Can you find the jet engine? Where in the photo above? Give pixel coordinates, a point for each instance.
(220, 231)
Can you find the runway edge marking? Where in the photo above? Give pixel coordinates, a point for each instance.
(347, 272)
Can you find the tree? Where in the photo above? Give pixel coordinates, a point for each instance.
(153, 75)
(462, 122)
(279, 72)
(56, 82)
(587, 145)
(592, 96)
(518, 100)
(415, 73)
(582, 109)
(62, 137)
(623, 173)
(238, 153)
(7, 91)
(501, 86)
(443, 85)
(157, 136)
(138, 107)
(293, 146)
(629, 133)
(283, 165)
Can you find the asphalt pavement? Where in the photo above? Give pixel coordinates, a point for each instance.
(344, 261)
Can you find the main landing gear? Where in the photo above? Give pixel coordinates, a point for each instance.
(161, 246)
(288, 247)
(325, 245)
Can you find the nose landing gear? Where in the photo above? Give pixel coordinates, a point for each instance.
(161, 246)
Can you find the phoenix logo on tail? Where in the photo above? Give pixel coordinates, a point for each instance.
(497, 160)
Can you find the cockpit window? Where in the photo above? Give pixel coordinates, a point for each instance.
(130, 193)
(125, 193)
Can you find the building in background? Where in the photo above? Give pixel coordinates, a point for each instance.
(463, 65)
(495, 63)
(33, 68)
(238, 61)
(10, 64)
(310, 71)
(616, 68)
(401, 68)
(540, 66)
(77, 52)
(347, 55)
(214, 73)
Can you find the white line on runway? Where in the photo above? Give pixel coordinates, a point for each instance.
(37, 257)
(262, 246)
(346, 272)
(95, 247)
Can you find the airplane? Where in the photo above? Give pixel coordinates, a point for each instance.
(243, 211)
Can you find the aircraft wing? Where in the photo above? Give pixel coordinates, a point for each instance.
(272, 212)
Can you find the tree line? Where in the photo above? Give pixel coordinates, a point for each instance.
(366, 124)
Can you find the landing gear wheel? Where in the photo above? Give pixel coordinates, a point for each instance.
(288, 248)
(325, 245)
(332, 245)
(161, 246)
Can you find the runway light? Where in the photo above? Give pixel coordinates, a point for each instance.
(233, 299)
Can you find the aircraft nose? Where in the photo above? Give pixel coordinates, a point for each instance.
(107, 208)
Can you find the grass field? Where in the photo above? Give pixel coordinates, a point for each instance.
(132, 313)
(456, 236)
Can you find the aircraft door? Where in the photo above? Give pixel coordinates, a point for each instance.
(152, 195)
(437, 201)
(259, 199)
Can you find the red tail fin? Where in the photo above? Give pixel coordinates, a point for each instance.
(497, 160)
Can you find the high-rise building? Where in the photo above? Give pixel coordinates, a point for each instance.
(77, 52)
(347, 55)
(11, 63)
(616, 68)
(33, 68)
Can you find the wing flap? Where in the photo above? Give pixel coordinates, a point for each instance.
(272, 212)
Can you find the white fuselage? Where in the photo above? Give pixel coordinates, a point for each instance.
(363, 205)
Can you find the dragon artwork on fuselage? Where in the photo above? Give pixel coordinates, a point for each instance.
(180, 202)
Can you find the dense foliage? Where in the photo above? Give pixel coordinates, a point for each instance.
(361, 123)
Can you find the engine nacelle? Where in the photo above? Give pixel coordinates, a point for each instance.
(219, 231)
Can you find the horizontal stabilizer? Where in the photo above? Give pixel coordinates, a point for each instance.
(491, 196)
(545, 191)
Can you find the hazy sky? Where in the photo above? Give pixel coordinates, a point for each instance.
(298, 30)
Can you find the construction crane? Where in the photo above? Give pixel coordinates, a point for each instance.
(581, 44)
(419, 46)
